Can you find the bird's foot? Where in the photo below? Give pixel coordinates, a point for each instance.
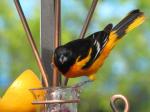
(79, 85)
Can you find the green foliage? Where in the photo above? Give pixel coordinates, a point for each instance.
(125, 71)
(13, 40)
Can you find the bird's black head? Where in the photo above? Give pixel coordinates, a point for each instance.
(63, 58)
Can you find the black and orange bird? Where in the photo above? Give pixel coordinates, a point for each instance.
(83, 57)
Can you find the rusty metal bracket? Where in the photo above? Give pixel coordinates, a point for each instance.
(116, 97)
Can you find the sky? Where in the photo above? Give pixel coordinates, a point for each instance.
(103, 9)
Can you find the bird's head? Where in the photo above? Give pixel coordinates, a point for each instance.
(63, 58)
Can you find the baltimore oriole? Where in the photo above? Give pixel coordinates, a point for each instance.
(83, 57)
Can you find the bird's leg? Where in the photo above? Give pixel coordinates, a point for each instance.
(79, 85)
(91, 79)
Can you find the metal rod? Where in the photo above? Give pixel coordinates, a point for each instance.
(116, 97)
(85, 26)
(57, 33)
(56, 101)
(31, 41)
(47, 37)
(88, 18)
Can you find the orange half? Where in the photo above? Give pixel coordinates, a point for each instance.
(18, 97)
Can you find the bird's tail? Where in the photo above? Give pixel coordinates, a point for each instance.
(131, 21)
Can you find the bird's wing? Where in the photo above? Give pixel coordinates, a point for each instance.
(98, 40)
(80, 48)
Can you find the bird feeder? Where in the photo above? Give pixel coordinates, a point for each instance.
(56, 97)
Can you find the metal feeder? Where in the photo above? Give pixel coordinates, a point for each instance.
(55, 98)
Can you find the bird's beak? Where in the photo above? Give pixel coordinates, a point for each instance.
(63, 59)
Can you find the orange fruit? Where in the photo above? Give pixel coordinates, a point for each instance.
(18, 97)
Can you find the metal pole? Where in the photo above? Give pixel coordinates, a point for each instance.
(57, 33)
(88, 18)
(47, 36)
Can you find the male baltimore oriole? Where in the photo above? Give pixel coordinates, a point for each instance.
(83, 57)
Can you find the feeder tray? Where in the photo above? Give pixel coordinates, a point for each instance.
(55, 95)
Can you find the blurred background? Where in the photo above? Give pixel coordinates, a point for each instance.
(125, 71)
